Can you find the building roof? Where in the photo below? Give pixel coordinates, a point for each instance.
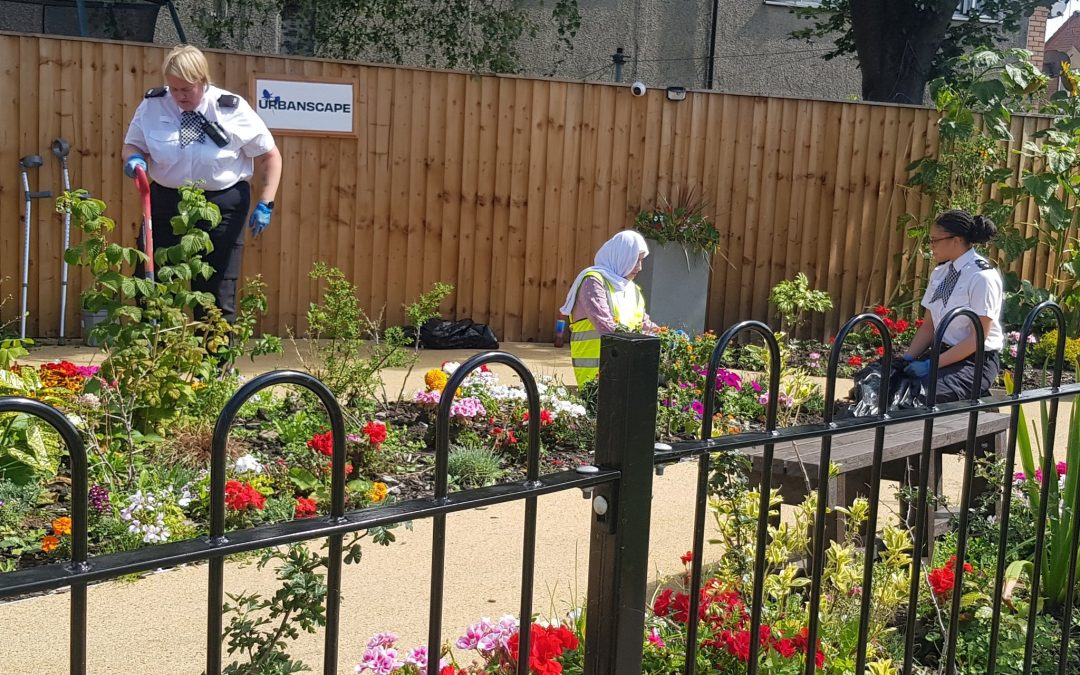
(1067, 36)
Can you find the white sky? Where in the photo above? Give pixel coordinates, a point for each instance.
(1053, 24)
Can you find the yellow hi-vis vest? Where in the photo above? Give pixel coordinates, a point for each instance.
(585, 339)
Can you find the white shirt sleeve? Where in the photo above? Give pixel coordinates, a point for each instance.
(985, 294)
(135, 132)
(255, 139)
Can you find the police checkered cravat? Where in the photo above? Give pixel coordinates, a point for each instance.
(945, 288)
(191, 128)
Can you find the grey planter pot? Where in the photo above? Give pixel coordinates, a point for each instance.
(675, 283)
(89, 320)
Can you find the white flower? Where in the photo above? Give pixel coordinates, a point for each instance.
(76, 420)
(450, 366)
(88, 401)
(248, 464)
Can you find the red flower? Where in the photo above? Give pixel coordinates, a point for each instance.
(687, 557)
(918, 323)
(662, 603)
(738, 644)
(855, 361)
(305, 508)
(546, 644)
(902, 325)
(322, 443)
(880, 351)
(785, 647)
(819, 659)
(376, 432)
(239, 496)
(545, 417)
(889, 323)
(882, 311)
(942, 580)
(951, 564)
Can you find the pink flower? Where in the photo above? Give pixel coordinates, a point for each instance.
(1062, 468)
(756, 386)
(427, 397)
(382, 640)
(380, 660)
(467, 408)
(763, 399)
(656, 640)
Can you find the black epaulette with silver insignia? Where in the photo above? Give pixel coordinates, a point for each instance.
(228, 101)
(983, 264)
(156, 92)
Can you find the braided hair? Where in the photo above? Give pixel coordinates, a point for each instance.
(976, 229)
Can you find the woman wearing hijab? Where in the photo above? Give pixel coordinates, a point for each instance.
(963, 278)
(604, 297)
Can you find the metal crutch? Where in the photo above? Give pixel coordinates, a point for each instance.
(60, 149)
(26, 163)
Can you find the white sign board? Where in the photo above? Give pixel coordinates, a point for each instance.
(306, 107)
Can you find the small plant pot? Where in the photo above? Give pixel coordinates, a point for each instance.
(89, 320)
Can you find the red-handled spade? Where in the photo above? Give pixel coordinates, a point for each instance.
(143, 184)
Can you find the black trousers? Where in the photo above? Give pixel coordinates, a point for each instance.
(955, 380)
(227, 237)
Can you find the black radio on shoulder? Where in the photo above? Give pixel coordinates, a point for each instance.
(215, 132)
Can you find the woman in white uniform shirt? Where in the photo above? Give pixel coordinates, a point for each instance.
(193, 132)
(963, 278)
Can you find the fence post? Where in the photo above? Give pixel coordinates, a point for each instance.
(619, 543)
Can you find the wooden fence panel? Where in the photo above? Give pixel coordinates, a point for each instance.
(502, 186)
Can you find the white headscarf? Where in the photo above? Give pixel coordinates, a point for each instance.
(615, 259)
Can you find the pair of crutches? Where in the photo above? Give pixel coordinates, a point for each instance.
(61, 149)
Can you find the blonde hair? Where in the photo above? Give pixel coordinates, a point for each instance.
(187, 63)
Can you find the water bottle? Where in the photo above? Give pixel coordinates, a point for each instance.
(560, 333)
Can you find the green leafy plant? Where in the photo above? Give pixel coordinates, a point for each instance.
(474, 466)
(971, 171)
(1060, 517)
(261, 629)
(30, 450)
(480, 36)
(793, 298)
(680, 220)
(153, 351)
(350, 348)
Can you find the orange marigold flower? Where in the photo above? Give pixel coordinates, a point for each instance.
(377, 493)
(49, 543)
(435, 379)
(61, 526)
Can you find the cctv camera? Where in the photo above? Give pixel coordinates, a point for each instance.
(637, 89)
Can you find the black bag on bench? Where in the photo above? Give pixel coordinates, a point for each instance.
(905, 391)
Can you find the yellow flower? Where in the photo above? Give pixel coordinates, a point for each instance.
(435, 379)
(377, 493)
(49, 543)
(61, 526)
(197, 385)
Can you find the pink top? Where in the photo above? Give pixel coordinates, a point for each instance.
(592, 303)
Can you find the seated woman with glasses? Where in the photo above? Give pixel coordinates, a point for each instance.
(963, 278)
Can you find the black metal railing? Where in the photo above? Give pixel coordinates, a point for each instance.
(82, 570)
(619, 487)
(880, 423)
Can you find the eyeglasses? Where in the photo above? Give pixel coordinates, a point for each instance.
(934, 240)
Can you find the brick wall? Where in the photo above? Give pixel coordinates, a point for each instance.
(1036, 35)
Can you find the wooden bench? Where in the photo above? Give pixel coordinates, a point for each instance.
(853, 454)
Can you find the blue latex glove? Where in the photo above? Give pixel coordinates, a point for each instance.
(918, 369)
(132, 162)
(260, 218)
